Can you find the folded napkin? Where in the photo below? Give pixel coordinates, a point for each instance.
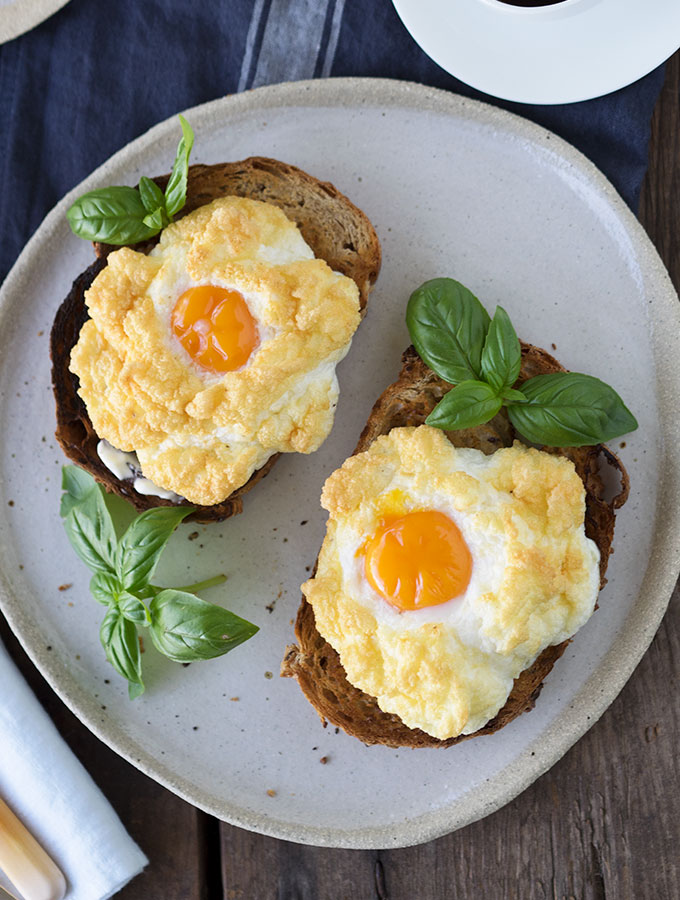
(50, 791)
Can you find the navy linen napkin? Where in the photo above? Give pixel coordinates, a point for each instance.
(85, 82)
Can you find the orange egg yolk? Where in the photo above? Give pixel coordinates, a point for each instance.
(416, 560)
(215, 327)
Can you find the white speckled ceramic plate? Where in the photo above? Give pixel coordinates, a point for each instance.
(566, 51)
(453, 188)
(19, 16)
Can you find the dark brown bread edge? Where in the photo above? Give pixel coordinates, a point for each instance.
(317, 666)
(335, 229)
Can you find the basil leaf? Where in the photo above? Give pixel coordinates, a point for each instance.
(133, 609)
(105, 587)
(511, 396)
(90, 531)
(470, 403)
(119, 639)
(448, 325)
(502, 354)
(114, 215)
(185, 628)
(143, 542)
(151, 195)
(176, 190)
(155, 219)
(77, 484)
(567, 409)
(135, 690)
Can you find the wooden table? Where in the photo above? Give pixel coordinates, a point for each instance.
(602, 823)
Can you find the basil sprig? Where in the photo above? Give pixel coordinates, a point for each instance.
(182, 626)
(127, 215)
(448, 324)
(455, 337)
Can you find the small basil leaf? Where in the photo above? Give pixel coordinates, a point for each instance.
(132, 608)
(105, 587)
(511, 396)
(570, 410)
(448, 325)
(154, 219)
(469, 404)
(90, 531)
(77, 484)
(176, 190)
(119, 639)
(143, 542)
(113, 215)
(502, 354)
(151, 194)
(185, 628)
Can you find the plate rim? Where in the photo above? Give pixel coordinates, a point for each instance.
(20, 17)
(544, 751)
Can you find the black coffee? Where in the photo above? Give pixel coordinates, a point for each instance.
(531, 2)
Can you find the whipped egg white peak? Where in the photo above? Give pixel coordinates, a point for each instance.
(454, 335)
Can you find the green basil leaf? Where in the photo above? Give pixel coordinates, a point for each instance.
(155, 219)
(114, 215)
(176, 190)
(143, 542)
(185, 628)
(448, 325)
(135, 690)
(119, 639)
(567, 409)
(511, 396)
(151, 194)
(77, 484)
(105, 587)
(133, 609)
(90, 531)
(502, 354)
(469, 404)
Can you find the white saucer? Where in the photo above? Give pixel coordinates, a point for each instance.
(570, 51)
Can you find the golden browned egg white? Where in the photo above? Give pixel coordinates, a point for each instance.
(198, 432)
(448, 668)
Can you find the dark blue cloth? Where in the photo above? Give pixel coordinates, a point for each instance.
(96, 75)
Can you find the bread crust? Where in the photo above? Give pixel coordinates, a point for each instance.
(335, 229)
(317, 666)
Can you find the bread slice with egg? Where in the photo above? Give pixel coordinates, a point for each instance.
(336, 230)
(408, 402)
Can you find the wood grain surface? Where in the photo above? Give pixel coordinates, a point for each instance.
(602, 823)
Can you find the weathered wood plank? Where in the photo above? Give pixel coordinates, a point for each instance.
(259, 867)
(171, 832)
(660, 198)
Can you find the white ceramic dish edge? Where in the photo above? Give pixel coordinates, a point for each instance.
(21, 16)
(612, 674)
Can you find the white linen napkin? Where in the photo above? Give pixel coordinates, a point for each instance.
(50, 791)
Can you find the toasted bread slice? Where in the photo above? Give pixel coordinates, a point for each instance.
(335, 229)
(317, 666)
